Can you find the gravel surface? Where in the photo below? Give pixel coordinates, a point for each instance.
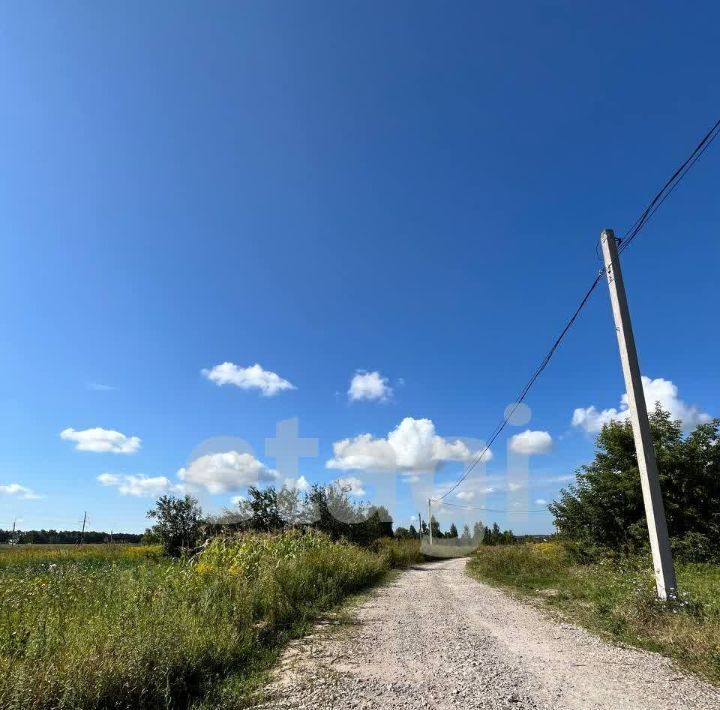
(435, 638)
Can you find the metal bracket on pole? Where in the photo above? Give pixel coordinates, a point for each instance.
(652, 495)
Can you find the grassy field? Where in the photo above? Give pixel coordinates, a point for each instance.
(122, 627)
(616, 597)
(28, 556)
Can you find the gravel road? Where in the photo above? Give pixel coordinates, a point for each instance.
(435, 638)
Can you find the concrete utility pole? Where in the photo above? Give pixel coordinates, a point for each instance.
(652, 495)
(419, 525)
(430, 520)
(82, 534)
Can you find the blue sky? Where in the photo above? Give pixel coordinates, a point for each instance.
(412, 189)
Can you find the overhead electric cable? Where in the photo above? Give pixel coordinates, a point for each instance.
(630, 235)
(493, 510)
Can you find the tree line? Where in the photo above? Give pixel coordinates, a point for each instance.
(481, 534)
(180, 524)
(63, 537)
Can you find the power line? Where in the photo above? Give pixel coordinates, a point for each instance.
(494, 510)
(630, 235)
(538, 371)
(667, 189)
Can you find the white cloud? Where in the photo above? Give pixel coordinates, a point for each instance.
(466, 495)
(531, 442)
(15, 489)
(300, 484)
(540, 501)
(139, 485)
(412, 446)
(369, 386)
(355, 485)
(237, 500)
(592, 420)
(102, 440)
(227, 471)
(99, 387)
(248, 378)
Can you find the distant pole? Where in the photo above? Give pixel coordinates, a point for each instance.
(652, 495)
(419, 525)
(430, 520)
(12, 537)
(82, 533)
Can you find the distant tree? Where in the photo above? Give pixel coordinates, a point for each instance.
(150, 537)
(290, 508)
(424, 529)
(178, 523)
(478, 532)
(465, 537)
(331, 510)
(402, 534)
(453, 532)
(435, 527)
(604, 507)
(261, 510)
(413, 531)
(495, 536)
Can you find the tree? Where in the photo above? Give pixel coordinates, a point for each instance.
(604, 507)
(261, 510)
(494, 536)
(453, 532)
(435, 527)
(178, 523)
(402, 534)
(331, 510)
(413, 531)
(466, 539)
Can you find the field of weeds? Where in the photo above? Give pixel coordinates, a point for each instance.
(123, 627)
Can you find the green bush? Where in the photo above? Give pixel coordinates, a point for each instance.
(604, 507)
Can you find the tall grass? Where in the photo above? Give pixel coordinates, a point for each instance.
(23, 556)
(616, 597)
(160, 633)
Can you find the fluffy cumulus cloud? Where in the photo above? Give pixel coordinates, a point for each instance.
(15, 489)
(102, 440)
(412, 446)
(298, 484)
(227, 472)
(592, 419)
(353, 485)
(248, 378)
(531, 442)
(139, 485)
(369, 386)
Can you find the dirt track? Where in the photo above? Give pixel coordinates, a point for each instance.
(435, 638)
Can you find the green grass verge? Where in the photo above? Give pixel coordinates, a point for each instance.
(616, 598)
(147, 632)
